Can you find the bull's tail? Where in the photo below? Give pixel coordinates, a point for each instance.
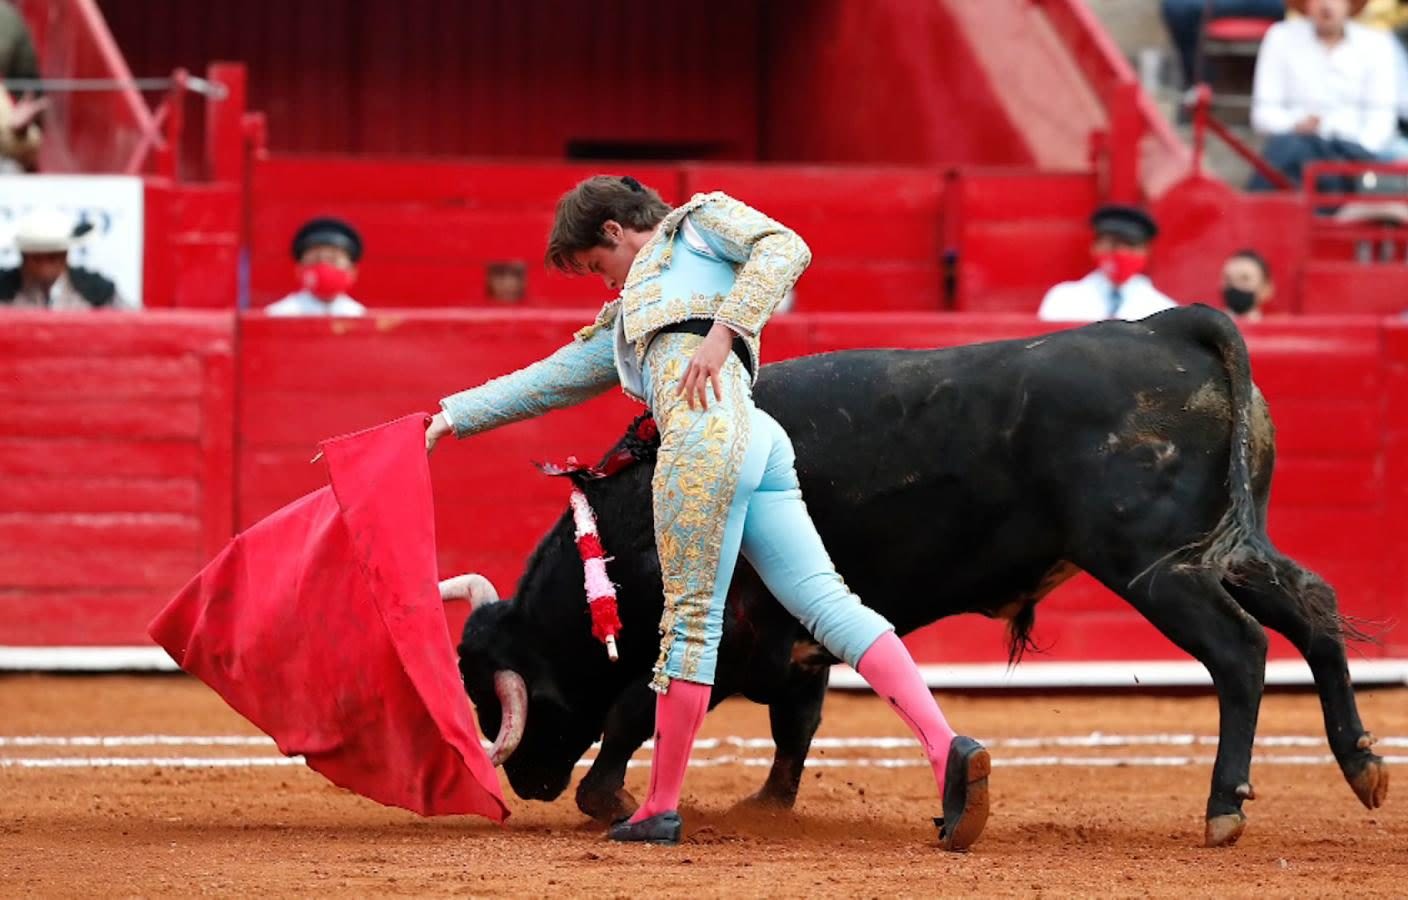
(1235, 540)
(1237, 549)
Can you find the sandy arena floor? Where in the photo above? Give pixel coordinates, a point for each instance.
(1118, 815)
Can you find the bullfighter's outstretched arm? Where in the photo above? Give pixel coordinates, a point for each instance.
(577, 372)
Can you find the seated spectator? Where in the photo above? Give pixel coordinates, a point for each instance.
(1184, 19)
(326, 252)
(1246, 285)
(44, 279)
(1395, 20)
(19, 125)
(1117, 289)
(1325, 89)
(506, 282)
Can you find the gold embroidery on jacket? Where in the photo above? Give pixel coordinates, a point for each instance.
(648, 262)
(771, 257)
(604, 319)
(768, 256)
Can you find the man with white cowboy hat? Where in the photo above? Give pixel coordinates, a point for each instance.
(44, 279)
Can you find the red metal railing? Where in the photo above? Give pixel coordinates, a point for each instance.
(99, 121)
(1132, 113)
(1204, 121)
(1367, 222)
(86, 130)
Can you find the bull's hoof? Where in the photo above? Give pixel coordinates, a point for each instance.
(1370, 783)
(766, 802)
(606, 806)
(1223, 831)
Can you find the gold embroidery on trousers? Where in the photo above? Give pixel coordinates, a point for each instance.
(696, 475)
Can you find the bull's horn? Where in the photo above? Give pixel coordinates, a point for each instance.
(473, 587)
(513, 703)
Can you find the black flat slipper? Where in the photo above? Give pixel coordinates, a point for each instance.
(664, 828)
(965, 794)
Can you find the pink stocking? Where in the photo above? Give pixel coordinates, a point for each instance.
(678, 714)
(890, 671)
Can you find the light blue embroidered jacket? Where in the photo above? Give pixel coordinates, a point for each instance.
(753, 263)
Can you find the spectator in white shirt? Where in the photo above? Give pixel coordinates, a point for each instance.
(1117, 289)
(327, 252)
(1325, 89)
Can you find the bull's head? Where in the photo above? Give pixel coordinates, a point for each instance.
(515, 692)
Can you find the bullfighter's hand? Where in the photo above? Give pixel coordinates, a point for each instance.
(439, 427)
(705, 366)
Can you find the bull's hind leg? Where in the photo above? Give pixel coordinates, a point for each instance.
(1194, 611)
(1272, 599)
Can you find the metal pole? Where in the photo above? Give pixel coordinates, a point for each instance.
(81, 85)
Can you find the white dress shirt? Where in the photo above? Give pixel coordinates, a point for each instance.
(1093, 298)
(1351, 86)
(303, 303)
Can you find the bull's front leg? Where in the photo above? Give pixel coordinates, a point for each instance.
(795, 715)
(602, 792)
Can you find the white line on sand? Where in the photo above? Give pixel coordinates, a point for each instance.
(243, 762)
(1094, 739)
(157, 762)
(136, 740)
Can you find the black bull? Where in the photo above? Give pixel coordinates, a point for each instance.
(969, 480)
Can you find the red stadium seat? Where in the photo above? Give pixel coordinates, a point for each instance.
(1237, 31)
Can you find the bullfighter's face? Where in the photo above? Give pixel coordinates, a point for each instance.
(611, 260)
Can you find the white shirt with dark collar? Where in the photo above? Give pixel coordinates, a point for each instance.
(1094, 298)
(303, 303)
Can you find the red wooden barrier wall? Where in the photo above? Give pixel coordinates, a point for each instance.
(132, 446)
(884, 238)
(1393, 565)
(116, 450)
(431, 229)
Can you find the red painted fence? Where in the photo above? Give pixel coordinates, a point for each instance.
(131, 447)
(116, 456)
(431, 229)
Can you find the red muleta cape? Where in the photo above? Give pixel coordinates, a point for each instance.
(323, 626)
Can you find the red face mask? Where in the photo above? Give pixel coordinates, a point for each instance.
(1122, 263)
(324, 280)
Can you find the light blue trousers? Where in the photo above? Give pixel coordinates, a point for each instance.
(726, 478)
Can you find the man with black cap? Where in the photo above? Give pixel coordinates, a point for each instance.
(1118, 288)
(326, 252)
